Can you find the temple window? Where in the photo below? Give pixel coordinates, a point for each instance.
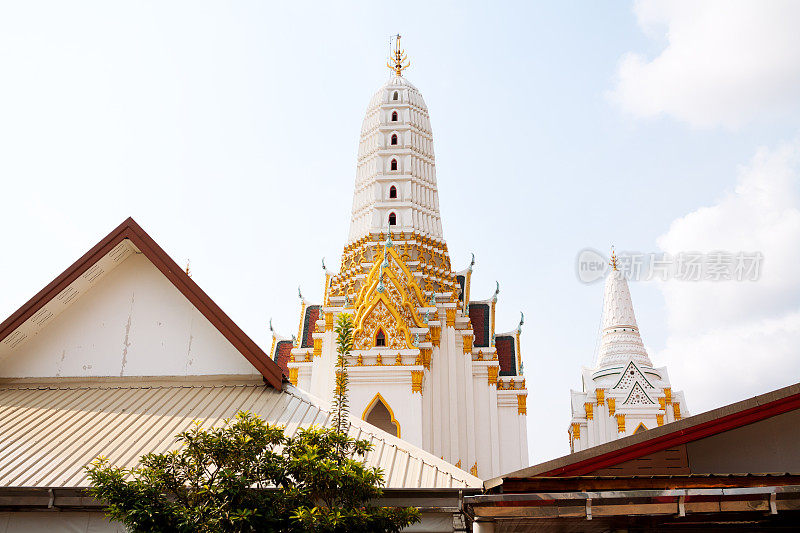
(394, 116)
(380, 338)
(392, 192)
(394, 164)
(392, 219)
(394, 96)
(394, 138)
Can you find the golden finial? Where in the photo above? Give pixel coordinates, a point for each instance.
(188, 270)
(613, 259)
(398, 61)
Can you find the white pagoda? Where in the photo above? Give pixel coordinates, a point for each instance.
(428, 365)
(623, 394)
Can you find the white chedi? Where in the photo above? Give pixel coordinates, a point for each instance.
(623, 394)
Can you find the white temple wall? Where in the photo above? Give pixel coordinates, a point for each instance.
(394, 386)
(483, 429)
(508, 432)
(134, 322)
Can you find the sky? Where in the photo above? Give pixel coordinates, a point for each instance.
(229, 131)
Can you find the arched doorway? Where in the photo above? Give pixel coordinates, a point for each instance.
(379, 414)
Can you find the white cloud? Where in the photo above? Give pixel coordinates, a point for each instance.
(733, 339)
(723, 63)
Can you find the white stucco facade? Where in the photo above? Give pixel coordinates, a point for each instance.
(130, 322)
(624, 393)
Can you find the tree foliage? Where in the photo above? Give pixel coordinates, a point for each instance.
(250, 476)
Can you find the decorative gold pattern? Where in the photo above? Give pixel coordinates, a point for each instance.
(458, 464)
(317, 347)
(474, 469)
(662, 404)
(511, 384)
(601, 396)
(589, 408)
(467, 344)
(416, 380)
(576, 431)
(380, 318)
(522, 407)
(676, 410)
(293, 375)
(328, 321)
(668, 395)
(611, 406)
(426, 354)
(621, 423)
(492, 370)
(451, 317)
(660, 420)
(435, 335)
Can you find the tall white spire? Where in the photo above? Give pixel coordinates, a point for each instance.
(619, 337)
(396, 173)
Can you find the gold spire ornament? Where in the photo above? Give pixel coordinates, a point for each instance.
(398, 61)
(613, 259)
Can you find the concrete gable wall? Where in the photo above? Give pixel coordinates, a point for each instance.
(133, 323)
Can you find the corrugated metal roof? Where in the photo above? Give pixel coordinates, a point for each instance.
(50, 431)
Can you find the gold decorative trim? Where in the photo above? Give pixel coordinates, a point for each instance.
(668, 395)
(458, 464)
(328, 321)
(317, 347)
(522, 407)
(576, 431)
(612, 404)
(467, 344)
(293, 372)
(300, 328)
(451, 317)
(589, 408)
(601, 396)
(662, 404)
(378, 398)
(620, 423)
(676, 410)
(660, 420)
(492, 374)
(435, 335)
(474, 469)
(416, 380)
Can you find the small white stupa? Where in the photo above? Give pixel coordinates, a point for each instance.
(623, 394)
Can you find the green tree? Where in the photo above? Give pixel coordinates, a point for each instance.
(249, 476)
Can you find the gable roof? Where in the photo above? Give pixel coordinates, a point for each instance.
(34, 314)
(660, 438)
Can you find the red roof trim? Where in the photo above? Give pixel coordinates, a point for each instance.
(681, 436)
(129, 229)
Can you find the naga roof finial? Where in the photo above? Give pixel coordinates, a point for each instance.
(323, 265)
(300, 293)
(270, 325)
(521, 320)
(472, 262)
(496, 291)
(398, 61)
